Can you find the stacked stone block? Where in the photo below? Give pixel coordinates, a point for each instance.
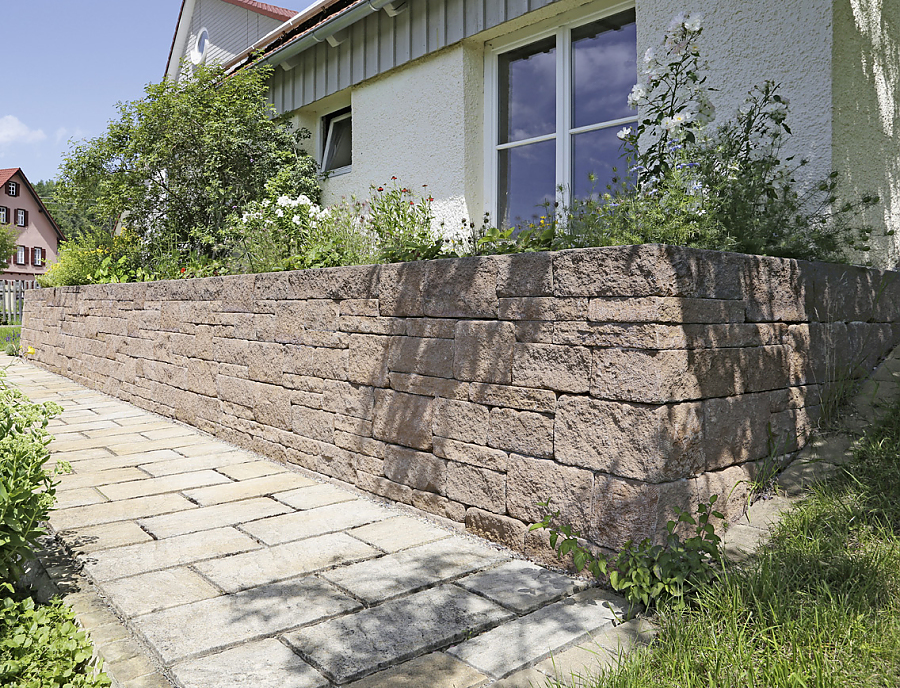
(618, 382)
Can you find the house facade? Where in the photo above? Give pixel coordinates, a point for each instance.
(493, 104)
(38, 234)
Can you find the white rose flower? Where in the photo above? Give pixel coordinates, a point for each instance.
(624, 133)
(284, 200)
(694, 22)
(303, 200)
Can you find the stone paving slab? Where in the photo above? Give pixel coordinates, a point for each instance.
(77, 480)
(208, 517)
(521, 586)
(399, 532)
(271, 564)
(315, 496)
(108, 461)
(228, 456)
(413, 569)
(263, 664)
(298, 525)
(251, 469)
(131, 560)
(352, 646)
(244, 489)
(78, 497)
(127, 509)
(173, 483)
(195, 629)
(436, 670)
(150, 592)
(534, 637)
(105, 536)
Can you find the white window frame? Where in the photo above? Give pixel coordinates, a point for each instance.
(561, 28)
(21, 258)
(197, 54)
(4, 215)
(21, 218)
(12, 188)
(329, 130)
(38, 257)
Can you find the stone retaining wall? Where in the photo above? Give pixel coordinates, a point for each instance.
(619, 382)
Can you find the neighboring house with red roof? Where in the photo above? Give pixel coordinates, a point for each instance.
(217, 31)
(39, 235)
(496, 105)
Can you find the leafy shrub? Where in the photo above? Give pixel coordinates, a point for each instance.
(97, 257)
(26, 489)
(402, 224)
(40, 646)
(644, 572)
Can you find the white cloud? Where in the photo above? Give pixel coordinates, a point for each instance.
(12, 130)
(63, 134)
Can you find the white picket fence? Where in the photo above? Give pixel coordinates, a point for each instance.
(12, 299)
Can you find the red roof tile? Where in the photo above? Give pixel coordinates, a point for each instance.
(6, 175)
(262, 8)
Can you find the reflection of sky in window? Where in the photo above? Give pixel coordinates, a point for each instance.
(527, 179)
(528, 91)
(604, 69)
(595, 152)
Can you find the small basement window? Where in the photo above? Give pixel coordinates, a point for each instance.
(338, 153)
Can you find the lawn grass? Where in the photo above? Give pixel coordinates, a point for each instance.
(820, 606)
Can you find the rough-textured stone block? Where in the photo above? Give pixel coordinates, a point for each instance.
(521, 431)
(774, 290)
(559, 368)
(317, 425)
(316, 361)
(622, 510)
(523, 398)
(348, 399)
(438, 505)
(368, 360)
(403, 419)
(351, 282)
(476, 487)
(429, 386)
(461, 288)
(472, 454)
(644, 442)
(484, 351)
(363, 307)
(372, 325)
(655, 309)
(528, 308)
(534, 332)
(665, 376)
(530, 481)
(422, 356)
(419, 470)
(442, 328)
(524, 274)
(461, 420)
(384, 488)
(503, 529)
(400, 289)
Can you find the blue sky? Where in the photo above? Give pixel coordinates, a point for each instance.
(66, 65)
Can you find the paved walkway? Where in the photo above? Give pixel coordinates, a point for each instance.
(202, 565)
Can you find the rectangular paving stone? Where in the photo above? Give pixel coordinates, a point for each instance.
(413, 569)
(183, 464)
(131, 446)
(318, 495)
(194, 629)
(74, 481)
(398, 533)
(244, 489)
(112, 462)
(285, 561)
(521, 586)
(126, 426)
(204, 445)
(252, 469)
(531, 638)
(167, 430)
(150, 592)
(106, 536)
(88, 426)
(436, 670)
(364, 642)
(82, 455)
(132, 440)
(132, 560)
(207, 517)
(79, 497)
(327, 519)
(173, 483)
(125, 510)
(262, 664)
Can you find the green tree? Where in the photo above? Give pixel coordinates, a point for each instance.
(73, 223)
(178, 162)
(9, 237)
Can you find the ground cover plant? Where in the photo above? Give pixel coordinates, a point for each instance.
(10, 339)
(819, 606)
(40, 645)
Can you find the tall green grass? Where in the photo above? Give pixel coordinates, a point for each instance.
(820, 606)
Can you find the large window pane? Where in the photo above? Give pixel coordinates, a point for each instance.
(528, 91)
(595, 153)
(527, 180)
(604, 69)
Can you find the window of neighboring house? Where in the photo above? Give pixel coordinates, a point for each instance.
(4, 215)
(21, 217)
(337, 155)
(20, 255)
(198, 52)
(555, 103)
(12, 188)
(37, 256)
